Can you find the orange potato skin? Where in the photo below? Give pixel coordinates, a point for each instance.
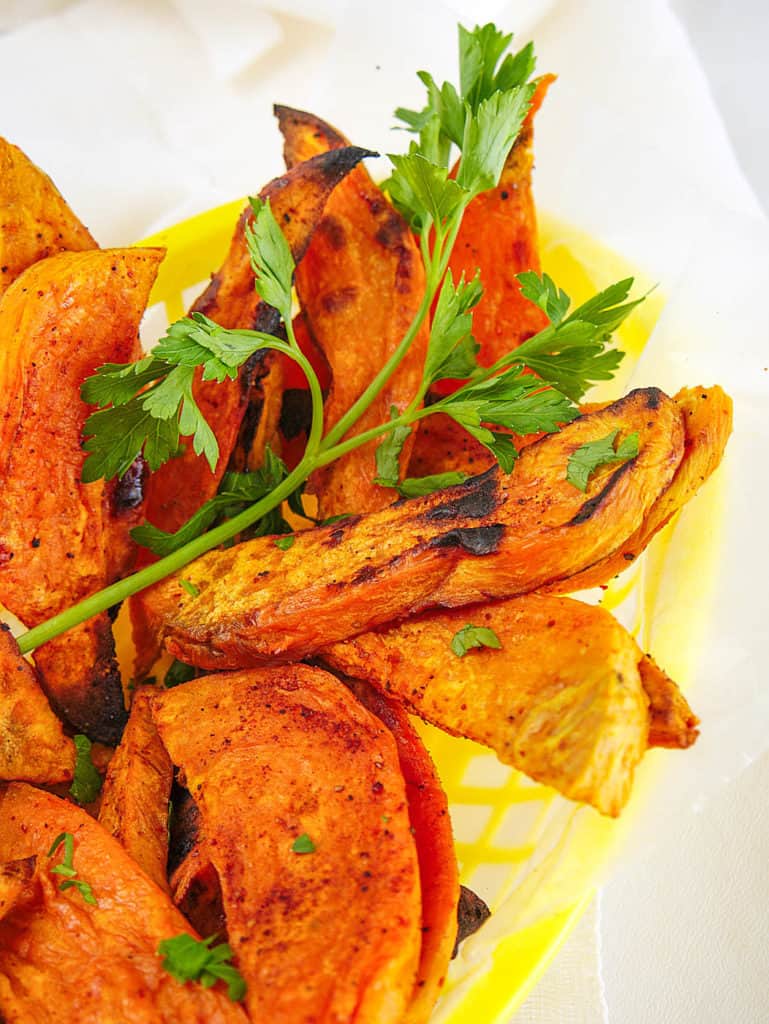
(183, 484)
(60, 320)
(707, 419)
(498, 236)
(64, 960)
(431, 825)
(360, 286)
(33, 747)
(134, 805)
(561, 701)
(35, 220)
(491, 537)
(272, 754)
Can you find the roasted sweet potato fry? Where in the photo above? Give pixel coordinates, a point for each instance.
(35, 221)
(707, 420)
(62, 959)
(360, 286)
(273, 755)
(183, 484)
(498, 236)
(134, 806)
(60, 320)
(493, 536)
(431, 825)
(33, 747)
(672, 723)
(562, 700)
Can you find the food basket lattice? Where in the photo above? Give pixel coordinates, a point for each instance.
(532, 855)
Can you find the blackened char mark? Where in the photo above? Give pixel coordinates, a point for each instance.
(338, 530)
(184, 826)
(366, 573)
(475, 499)
(128, 491)
(295, 413)
(476, 540)
(252, 378)
(471, 914)
(591, 507)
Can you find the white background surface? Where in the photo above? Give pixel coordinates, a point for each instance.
(139, 131)
(685, 936)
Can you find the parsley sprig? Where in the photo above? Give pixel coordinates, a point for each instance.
(189, 959)
(67, 870)
(86, 782)
(149, 406)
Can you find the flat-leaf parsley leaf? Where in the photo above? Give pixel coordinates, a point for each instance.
(588, 457)
(86, 783)
(474, 636)
(190, 959)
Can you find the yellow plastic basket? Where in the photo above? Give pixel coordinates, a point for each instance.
(533, 856)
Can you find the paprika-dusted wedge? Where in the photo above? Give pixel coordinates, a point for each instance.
(562, 698)
(65, 959)
(183, 484)
(134, 805)
(360, 285)
(59, 321)
(35, 220)
(431, 825)
(33, 747)
(306, 821)
(491, 537)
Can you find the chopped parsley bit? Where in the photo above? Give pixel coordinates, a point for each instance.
(303, 844)
(67, 869)
(474, 636)
(178, 672)
(588, 457)
(189, 959)
(191, 589)
(284, 543)
(86, 783)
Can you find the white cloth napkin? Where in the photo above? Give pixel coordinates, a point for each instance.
(146, 112)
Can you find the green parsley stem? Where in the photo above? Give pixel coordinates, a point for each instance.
(316, 392)
(435, 269)
(117, 592)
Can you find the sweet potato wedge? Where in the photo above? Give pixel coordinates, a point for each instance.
(134, 806)
(61, 319)
(360, 285)
(274, 754)
(431, 825)
(35, 221)
(672, 723)
(498, 236)
(62, 959)
(183, 484)
(707, 419)
(493, 536)
(33, 747)
(563, 700)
